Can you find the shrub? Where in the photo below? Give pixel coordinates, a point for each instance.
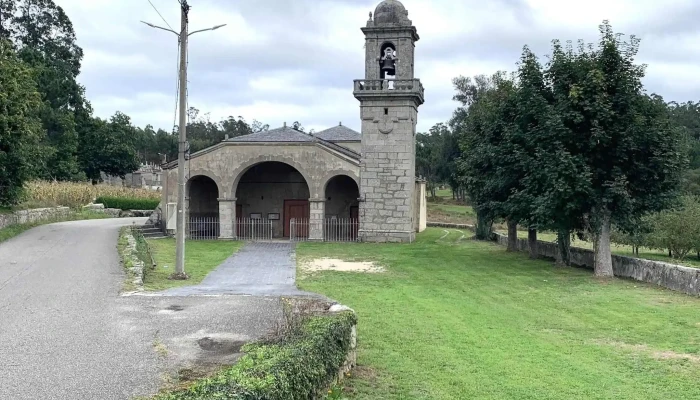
(293, 369)
(677, 229)
(125, 203)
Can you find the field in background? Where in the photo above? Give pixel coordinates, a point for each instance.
(454, 318)
(39, 194)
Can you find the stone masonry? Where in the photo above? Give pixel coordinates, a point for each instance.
(389, 112)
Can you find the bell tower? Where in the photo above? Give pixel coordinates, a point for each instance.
(389, 99)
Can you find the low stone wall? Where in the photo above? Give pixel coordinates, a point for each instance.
(671, 276)
(30, 216)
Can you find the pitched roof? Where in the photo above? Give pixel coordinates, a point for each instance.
(339, 133)
(284, 134)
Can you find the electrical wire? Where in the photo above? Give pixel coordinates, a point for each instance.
(160, 15)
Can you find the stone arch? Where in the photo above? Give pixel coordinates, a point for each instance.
(332, 174)
(193, 173)
(245, 166)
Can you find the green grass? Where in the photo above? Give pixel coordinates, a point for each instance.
(15, 230)
(451, 213)
(201, 257)
(459, 319)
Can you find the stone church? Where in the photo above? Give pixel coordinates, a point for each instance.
(334, 184)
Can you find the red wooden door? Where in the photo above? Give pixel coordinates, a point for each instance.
(299, 210)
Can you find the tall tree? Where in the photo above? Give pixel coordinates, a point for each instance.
(20, 129)
(46, 41)
(626, 137)
(484, 121)
(109, 147)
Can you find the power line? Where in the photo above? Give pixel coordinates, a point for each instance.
(159, 14)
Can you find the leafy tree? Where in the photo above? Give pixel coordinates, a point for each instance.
(484, 120)
(677, 229)
(20, 130)
(45, 39)
(626, 137)
(297, 125)
(109, 147)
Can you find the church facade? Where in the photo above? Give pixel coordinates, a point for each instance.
(336, 183)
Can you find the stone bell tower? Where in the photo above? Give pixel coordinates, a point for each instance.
(389, 99)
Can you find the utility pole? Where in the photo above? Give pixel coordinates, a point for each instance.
(183, 35)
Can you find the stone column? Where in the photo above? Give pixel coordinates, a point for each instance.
(316, 216)
(227, 216)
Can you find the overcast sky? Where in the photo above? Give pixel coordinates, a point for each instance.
(285, 60)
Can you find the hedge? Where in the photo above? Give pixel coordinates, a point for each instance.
(125, 203)
(296, 368)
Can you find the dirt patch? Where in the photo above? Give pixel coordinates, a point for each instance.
(332, 264)
(645, 349)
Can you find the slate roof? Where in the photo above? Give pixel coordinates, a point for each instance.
(339, 133)
(284, 134)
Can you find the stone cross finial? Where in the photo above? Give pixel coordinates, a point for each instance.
(370, 15)
(285, 124)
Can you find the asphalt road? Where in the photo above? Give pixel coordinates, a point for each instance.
(65, 333)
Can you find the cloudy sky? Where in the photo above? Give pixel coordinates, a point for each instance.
(285, 60)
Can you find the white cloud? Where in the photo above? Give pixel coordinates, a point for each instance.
(280, 60)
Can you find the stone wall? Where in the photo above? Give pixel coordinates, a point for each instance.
(671, 276)
(675, 277)
(35, 215)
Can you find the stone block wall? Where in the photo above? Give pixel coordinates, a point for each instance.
(35, 215)
(387, 171)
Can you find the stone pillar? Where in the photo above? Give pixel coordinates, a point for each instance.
(317, 214)
(227, 215)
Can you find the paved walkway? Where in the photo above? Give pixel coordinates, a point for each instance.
(257, 269)
(65, 333)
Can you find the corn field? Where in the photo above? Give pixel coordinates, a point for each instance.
(76, 194)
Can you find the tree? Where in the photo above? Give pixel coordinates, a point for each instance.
(677, 229)
(45, 39)
(20, 129)
(626, 138)
(109, 147)
(485, 118)
(297, 125)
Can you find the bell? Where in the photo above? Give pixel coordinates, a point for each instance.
(389, 65)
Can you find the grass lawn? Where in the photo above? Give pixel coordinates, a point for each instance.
(451, 213)
(201, 257)
(459, 319)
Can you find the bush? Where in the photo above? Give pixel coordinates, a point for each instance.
(125, 203)
(677, 229)
(293, 369)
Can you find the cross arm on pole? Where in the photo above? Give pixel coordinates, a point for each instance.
(160, 27)
(208, 29)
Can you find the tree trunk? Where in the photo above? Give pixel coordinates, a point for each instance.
(483, 227)
(603, 256)
(512, 236)
(532, 243)
(563, 248)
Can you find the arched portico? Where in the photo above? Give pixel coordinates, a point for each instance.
(268, 196)
(202, 207)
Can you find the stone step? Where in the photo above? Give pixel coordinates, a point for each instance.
(154, 235)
